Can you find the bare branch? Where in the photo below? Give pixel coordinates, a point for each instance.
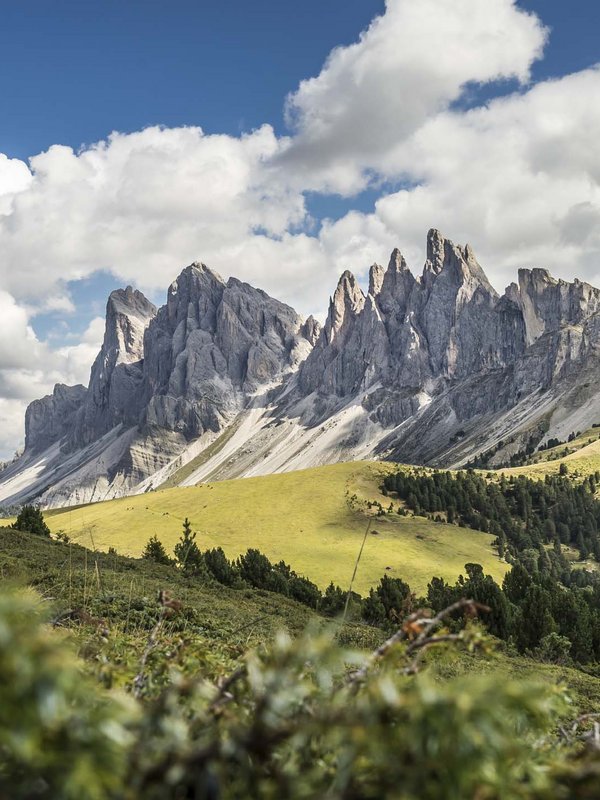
(420, 627)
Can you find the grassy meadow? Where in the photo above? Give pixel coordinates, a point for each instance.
(314, 519)
(582, 457)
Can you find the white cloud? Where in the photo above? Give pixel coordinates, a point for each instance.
(14, 178)
(141, 205)
(29, 368)
(412, 62)
(77, 359)
(519, 178)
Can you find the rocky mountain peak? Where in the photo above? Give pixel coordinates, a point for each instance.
(196, 291)
(310, 330)
(376, 276)
(116, 373)
(420, 369)
(548, 303)
(128, 313)
(51, 418)
(347, 302)
(436, 251)
(456, 264)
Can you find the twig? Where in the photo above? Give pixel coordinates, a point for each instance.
(343, 620)
(249, 624)
(414, 623)
(223, 686)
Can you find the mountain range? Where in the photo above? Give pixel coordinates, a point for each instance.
(225, 381)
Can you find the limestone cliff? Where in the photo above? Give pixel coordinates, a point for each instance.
(433, 369)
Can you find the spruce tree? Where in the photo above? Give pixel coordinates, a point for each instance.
(187, 553)
(31, 519)
(155, 551)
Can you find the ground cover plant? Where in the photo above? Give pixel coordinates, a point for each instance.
(169, 685)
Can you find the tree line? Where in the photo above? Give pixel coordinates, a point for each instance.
(522, 513)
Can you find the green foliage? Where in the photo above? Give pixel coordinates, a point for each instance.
(30, 518)
(187, 553)
(155, 551)
(333, 601)
(220, 567)
(302, 517)
(533, 610)
(256, 569)
(289, 721)
(523, 513)
(296, 716)
(60, 736)
(554, 649)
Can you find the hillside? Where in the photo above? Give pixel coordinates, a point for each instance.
(581, 455)
(314, 519)
(158, 704)
(216, 620)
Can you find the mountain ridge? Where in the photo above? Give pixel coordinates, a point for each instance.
(432, 369)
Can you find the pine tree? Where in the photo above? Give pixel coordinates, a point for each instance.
(220, 567)
(187, 552)
(31, 519)
(155, 551)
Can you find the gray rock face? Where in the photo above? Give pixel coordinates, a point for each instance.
(547, 303)
(52, 417)
(412, 333)
(113, 395)
(211, 346)
(428, 369)
(446, 342)
(175, 373)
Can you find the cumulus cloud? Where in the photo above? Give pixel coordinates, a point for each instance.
(518, 178)
(29, 368)
(141, 205)
(412, 62)
(14, 178)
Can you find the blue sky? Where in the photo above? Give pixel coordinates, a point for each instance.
(72, 72)
(479, 117)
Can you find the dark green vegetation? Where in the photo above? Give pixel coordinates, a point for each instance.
(156, 682)
(251, 570)
(313, 519)
(545, 604)
(523, 513)
(30, 518)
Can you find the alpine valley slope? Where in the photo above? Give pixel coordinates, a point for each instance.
(314, 519)
(224, 381)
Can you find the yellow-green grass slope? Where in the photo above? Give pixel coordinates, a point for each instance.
(314, 519)
(582, 458)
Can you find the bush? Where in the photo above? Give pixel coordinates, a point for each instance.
(187, 553)
(60, 737)
(256, 569)
(290, 722)
(31, 519)
(220, 567)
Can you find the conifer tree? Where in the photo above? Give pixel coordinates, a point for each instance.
(187, 553)
(31, 519)
(155, 551)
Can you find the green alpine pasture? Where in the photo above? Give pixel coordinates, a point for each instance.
(581, 456)
(313, 519)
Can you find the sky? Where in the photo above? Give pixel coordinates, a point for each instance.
(280, 143)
